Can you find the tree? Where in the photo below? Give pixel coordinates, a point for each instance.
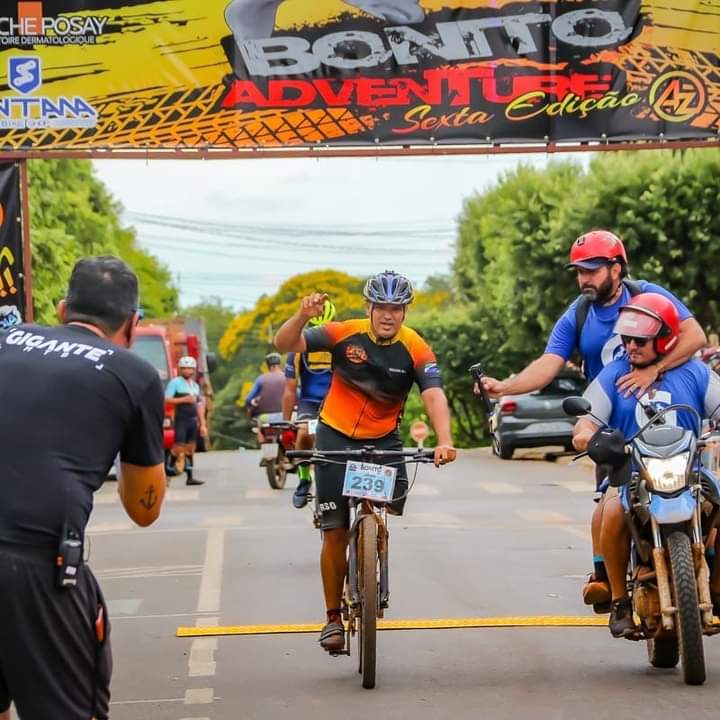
(73, 216)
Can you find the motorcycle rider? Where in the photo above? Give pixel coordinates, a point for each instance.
(265, 396)
(310, 373)
(601, 263)
(649, 327)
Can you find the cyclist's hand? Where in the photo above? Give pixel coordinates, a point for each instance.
(444, 454)
(313, 305)
(494, 388)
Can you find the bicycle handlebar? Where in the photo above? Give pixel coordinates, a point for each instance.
(362, 453)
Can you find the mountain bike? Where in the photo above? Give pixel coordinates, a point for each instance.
(367, 584)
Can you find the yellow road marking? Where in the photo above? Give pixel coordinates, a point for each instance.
(428, 624)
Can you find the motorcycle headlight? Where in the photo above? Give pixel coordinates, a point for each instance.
(667, 474)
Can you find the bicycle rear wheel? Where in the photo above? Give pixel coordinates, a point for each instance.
(368, 584)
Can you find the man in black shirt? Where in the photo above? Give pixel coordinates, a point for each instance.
(72, 398)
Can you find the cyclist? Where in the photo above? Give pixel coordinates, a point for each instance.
(312, 372)
(601, 264)
(265, 396)
(375, 363)
(184, 394)
(649, 329)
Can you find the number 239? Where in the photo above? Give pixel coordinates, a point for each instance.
(368, 484)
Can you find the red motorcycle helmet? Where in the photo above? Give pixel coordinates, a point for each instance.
(650, 315)
(595, 249)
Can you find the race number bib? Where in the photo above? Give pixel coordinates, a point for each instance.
(366, 480)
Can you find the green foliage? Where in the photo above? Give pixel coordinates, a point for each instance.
(73, 216)
(217, 317)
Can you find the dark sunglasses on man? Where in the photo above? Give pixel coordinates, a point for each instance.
(639, 341)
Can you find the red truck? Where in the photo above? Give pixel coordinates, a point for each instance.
(162, 343)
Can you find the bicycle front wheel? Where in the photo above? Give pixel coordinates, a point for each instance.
(368, 584)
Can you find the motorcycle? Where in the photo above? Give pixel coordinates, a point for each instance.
(672, 505)
(277, 438)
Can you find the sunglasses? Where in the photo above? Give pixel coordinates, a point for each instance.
(639, 341)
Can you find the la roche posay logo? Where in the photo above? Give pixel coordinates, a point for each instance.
(30, 26)
(27, 111)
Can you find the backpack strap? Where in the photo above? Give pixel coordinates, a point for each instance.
(634, 287)
(581, 312)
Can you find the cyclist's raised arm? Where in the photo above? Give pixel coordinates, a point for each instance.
(289, 337)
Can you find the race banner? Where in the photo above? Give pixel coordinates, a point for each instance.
(11, 257)
(173, 74)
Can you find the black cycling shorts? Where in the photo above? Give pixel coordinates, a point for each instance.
(186, 429)
(307, 410)
(332, 504)
(52, 664)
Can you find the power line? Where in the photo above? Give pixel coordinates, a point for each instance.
(386, 229)
(389, 258)
(308, 247)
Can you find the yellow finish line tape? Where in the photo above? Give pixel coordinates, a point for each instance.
(430, 624)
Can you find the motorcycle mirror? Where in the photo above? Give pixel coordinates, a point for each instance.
(212, 362)
(576, 405)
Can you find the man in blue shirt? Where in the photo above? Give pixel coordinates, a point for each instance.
(649, 328)
(184, 393)
(312, 372)
(600, 260)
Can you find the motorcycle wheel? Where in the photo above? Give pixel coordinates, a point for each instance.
(687, 618)
(276, 474)
(663, 652)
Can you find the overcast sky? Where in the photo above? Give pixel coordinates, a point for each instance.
(238, 228)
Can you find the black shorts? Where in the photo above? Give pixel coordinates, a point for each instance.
(52, 664)
(186, 429)
(332, 504)
(307, 410)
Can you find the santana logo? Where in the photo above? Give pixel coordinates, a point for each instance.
(28, 111)
(356, 354)
(677, 96)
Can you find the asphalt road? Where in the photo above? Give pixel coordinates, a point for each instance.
(480, 538)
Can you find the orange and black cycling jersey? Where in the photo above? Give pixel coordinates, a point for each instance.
(371, 378)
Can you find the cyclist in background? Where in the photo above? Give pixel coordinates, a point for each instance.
(376, 361)
(307, 380)
(265, 397)
(185, 395)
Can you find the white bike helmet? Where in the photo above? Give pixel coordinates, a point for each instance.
(187, 362)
